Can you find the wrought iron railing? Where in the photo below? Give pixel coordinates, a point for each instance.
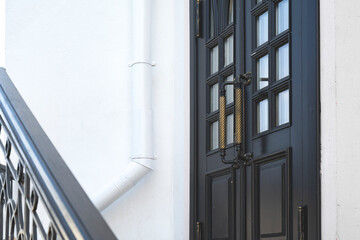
(40, 197)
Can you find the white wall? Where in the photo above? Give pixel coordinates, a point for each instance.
(69, 60)
(340, 117)
(2, 33)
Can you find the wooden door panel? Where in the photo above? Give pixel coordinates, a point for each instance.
(219, 204)
(271, 194)
(273, 142)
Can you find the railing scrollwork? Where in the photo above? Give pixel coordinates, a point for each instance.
(39, 196)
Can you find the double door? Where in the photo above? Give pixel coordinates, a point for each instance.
(268, 187)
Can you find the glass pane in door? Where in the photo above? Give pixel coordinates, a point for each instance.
(214, 60)
(282, 62)
(262, 116)
(214, 135)
(212, 21)
(263, 72)
(214, 97)
(231, 12)
(229, 128)
(282, 107)
(229, 50)
(282, 16)
(229, 90)
(262, 28)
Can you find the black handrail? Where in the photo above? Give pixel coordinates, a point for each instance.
(34, 176)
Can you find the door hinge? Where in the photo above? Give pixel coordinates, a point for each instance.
(302, 221)
(198, 231)
(198, 17)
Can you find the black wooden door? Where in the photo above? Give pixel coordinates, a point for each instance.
(274, 193)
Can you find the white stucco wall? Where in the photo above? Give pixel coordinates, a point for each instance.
(69, 60)
(340, 117)
(2, 33)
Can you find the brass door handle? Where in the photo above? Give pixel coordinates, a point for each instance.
(239, 83)
(222, 121)
(238, 115)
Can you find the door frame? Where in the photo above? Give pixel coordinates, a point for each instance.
(312, 35)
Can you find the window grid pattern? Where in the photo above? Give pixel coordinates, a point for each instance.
(271, 57)
(220, 67)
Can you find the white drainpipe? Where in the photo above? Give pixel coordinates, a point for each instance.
(141, 107)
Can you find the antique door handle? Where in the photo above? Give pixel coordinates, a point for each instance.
(239, 83)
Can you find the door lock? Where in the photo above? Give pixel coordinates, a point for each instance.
(198, 231)
(302, 222)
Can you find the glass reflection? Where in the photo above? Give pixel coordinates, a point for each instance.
(214, 97)
(282, 107)
(231, 12)
(214, 138)
(263, 72)
(229, 90)
(262, 116)
(212, 25)
(229, 128)
(282, 62)
(282, 16)
(229, 50)
(214, 60)
(262, 28)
